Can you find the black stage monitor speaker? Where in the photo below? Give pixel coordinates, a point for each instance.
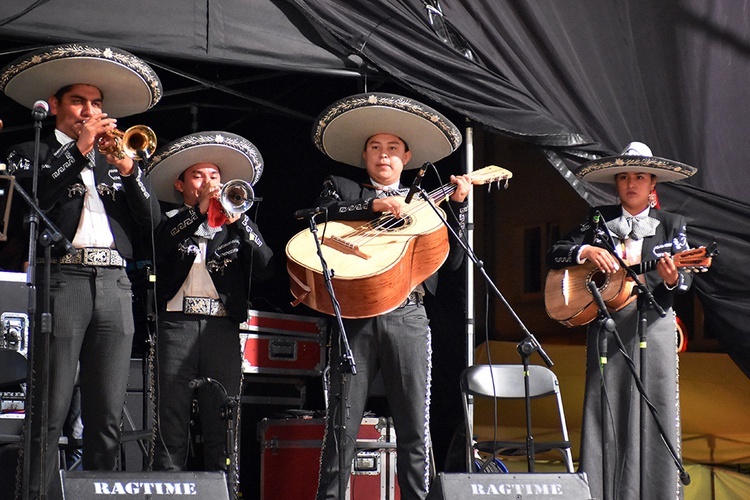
(146, 485)
(546, 486)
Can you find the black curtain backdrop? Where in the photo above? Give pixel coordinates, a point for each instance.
(578, 79)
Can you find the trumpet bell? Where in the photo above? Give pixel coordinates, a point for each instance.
(138, 142)
(236, 197)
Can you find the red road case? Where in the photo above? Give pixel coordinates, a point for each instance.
(283, 344)
(290, 459)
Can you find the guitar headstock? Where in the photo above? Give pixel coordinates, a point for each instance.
(696, 259)
(490, 174)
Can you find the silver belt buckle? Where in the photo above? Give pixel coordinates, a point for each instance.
(203, 306)
(102, 257)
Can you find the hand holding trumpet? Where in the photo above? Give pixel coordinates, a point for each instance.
(210, 202)
(96, 130)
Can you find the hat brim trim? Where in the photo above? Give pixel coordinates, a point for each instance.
(604, 170)
(343, 128)
(128, 85)
(235, 156)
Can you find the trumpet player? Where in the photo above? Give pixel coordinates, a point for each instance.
(206, 257)
(96, 201)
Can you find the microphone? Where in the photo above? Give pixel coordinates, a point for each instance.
(417, 182)
(597, 219)
(39, 110)
(609, 323)
(684, 477)
(309, 213)
(197, 383)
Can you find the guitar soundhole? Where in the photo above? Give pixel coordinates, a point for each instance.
(389, 223)
(600, 278)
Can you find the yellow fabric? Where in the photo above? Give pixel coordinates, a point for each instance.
(714, 398)
(727, 485)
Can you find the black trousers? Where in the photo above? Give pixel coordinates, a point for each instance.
(188, 347)
(398, 344)
(92, 322)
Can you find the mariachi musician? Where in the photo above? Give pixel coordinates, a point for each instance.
(96, 200)
(638, 232)
(385, 134)
(207, 251)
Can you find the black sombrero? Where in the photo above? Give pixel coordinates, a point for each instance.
(128, 85)
(236, 157)
(343, 128)
(636, 157)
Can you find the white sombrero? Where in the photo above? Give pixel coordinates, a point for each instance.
(343, 128)
(636, 157)
(236, 157)
(128, 85)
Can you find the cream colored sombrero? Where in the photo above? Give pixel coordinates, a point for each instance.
(128, 85)
(236, 157)
(636, 157)
(343, 128)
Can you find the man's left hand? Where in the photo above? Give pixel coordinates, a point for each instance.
(463, 186)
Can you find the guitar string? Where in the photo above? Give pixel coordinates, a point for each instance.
(367, 232)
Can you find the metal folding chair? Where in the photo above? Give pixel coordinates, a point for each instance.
(505, 382)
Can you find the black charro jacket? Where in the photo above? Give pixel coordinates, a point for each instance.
(670, 238)
(233, 255)
(60, 190)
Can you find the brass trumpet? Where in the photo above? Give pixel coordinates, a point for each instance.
(236, 197)
(134, 141)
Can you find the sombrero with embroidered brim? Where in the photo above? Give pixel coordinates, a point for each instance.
(236, 157)
(342, 129)
(636, 157)
(128, 85)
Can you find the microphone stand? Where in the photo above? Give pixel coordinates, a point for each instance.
(227, 411)
(347, 365)
(49, 237)
(645, 299)
(606, 325)
(528, 346)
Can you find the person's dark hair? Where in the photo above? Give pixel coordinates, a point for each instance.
(64, 90)
(406, 144)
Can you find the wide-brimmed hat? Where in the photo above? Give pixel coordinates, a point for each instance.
(343, 128)
(128, 85)
(236, 157)
(636, 157)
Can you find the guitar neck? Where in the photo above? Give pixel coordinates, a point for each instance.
(442, 193)
(644, 267)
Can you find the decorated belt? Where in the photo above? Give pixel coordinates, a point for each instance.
(203, 306)
(414, 299)
(91, 256)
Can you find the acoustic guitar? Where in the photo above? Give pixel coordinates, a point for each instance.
(568, 299)
(375, 264)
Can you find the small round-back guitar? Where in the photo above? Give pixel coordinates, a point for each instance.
(568, 299)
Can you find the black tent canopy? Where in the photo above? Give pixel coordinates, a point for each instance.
(577, 80)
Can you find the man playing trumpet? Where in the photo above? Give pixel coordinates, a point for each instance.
(96, 201)
(206, 257)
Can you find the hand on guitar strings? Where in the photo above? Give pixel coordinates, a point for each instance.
(601, 258)
(667, 270)
(392, 204)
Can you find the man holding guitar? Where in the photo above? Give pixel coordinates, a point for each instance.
(638, 232)
(385, 134)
